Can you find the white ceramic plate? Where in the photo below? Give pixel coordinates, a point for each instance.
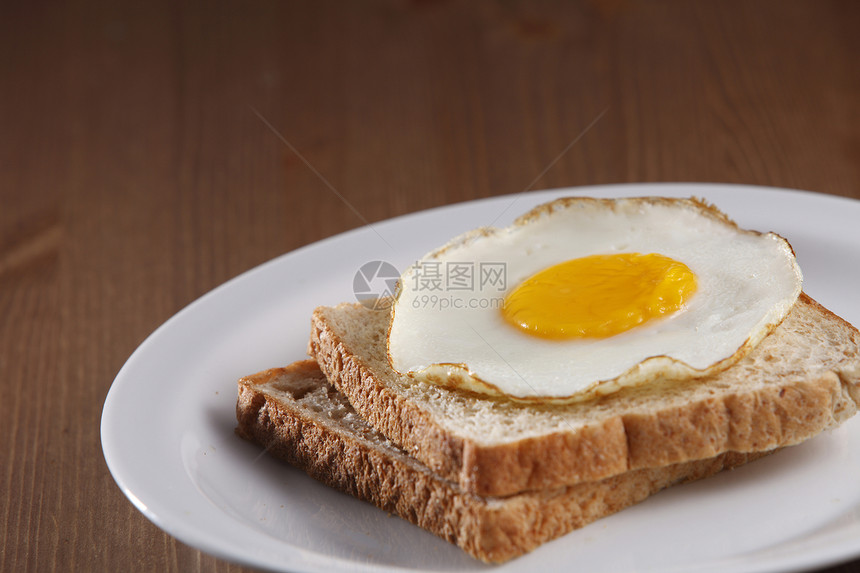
(167, 425)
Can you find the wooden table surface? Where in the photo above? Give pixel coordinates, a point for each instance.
(150, 151)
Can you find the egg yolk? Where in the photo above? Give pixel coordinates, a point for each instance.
(599, 296)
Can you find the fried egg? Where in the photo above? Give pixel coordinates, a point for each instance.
(582, 297)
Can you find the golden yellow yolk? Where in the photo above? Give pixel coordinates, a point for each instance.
(599, 295)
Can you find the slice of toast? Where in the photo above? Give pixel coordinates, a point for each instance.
(801, 379)
(298, 416)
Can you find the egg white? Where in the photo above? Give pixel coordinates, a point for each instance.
(445, 333)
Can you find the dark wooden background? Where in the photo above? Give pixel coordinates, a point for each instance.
(140, 167)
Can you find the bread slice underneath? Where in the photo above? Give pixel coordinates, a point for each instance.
(298, 416)
(801, 379)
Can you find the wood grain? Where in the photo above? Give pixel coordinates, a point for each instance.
(150, 151)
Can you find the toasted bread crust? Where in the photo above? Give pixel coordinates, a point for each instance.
(272, 412)
(722, 414)
(389, 412)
